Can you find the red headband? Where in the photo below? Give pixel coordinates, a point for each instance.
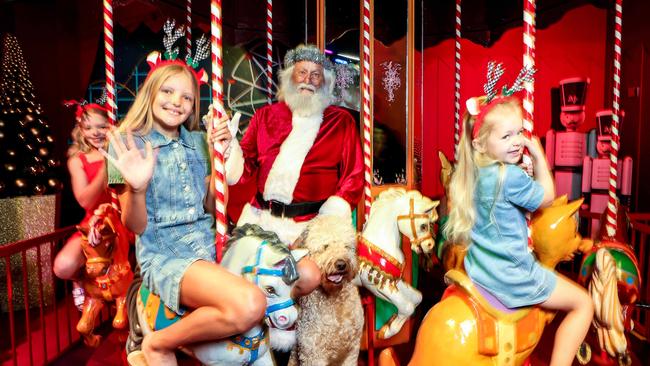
(475, 108)
(83, 107)
(155, 61)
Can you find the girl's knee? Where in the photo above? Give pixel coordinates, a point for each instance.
(310, 277)
(64, 267)
(248, 310)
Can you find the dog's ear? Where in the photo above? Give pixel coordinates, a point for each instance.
(300, 242)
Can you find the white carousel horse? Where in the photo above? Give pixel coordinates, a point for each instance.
(394, 213)
(259, 256)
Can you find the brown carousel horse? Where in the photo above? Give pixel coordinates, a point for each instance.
(105, 243)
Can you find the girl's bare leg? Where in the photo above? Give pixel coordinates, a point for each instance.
(577, 303)
(224, 304)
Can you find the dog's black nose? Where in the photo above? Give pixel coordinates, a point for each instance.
(340, 265)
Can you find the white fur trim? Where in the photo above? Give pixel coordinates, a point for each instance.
(336, 205)
(287, 229)
(285, 171)
(234, 163)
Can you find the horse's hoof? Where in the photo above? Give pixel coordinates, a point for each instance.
(92, 340)
(136, 358)
(119, 323)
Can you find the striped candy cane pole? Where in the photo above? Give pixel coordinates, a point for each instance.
(457, 84)
(269, 50)
(109, 60)
(217, 99)
(529, 103)
(610, 225)
(110, 78)
(188, 28)
(367, 143)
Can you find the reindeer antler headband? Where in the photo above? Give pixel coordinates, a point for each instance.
(83, 106)
(172, 34)
(480, 106)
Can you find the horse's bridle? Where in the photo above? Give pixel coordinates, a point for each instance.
(256, 270)
(412, 216)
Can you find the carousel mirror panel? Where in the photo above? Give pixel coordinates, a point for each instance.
(390, 97)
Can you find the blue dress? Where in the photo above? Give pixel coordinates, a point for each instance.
(498, 258)
(179, 231)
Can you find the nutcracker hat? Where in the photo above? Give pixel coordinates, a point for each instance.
(573, 92)
(604, 119)
(170, 57)
(480, 106)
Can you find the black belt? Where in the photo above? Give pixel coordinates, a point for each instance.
(280, 209)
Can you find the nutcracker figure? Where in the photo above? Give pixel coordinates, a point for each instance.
(565, 150)
(595, 171)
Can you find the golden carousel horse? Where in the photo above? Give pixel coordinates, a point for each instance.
(469, 327)
(611, 273)
(105, 243)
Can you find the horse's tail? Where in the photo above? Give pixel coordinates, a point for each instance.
(609, 316)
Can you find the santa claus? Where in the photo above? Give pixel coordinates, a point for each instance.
(303, 153)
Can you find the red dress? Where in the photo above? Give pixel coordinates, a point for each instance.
(91, 170)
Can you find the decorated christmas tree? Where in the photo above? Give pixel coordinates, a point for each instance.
(27, 155)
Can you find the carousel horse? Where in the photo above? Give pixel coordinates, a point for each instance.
(260, 257)
(611, 273)
(394, 213)
(470, 327)
(450, 255)
(105, 243)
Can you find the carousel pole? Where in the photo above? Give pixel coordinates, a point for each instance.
(217, 99)
(188, 28)
(529, 86)
(109, 59)
(611, 218)
(367, 114)
(457, 84)
(269, 50)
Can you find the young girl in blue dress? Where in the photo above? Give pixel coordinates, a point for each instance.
(162, 171)
(491, 195)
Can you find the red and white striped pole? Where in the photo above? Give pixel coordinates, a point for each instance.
(529, 86)
(457, 84)
(610, 224)
(217, 99)
(367, 117)
(269, 50)
(188, 28)
(109, 61)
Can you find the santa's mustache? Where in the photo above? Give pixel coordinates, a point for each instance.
(306, 86)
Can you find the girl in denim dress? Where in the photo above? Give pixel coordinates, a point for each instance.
(490, 195)
(162, 169)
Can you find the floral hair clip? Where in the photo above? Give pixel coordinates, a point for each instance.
(172, 34)
(479, 106)
(83, 106)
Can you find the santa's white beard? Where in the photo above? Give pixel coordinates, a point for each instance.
(305, 105)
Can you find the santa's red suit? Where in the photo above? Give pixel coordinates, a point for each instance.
(298, 160)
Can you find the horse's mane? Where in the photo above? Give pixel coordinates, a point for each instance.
(255, 230)
(395, 193)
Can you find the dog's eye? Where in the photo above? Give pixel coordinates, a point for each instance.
(270, 290)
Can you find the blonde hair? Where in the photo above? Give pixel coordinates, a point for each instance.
(140, 118)
(79, 143)
(463, 181)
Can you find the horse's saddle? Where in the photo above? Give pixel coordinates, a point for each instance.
(158, 315)
(502, 332)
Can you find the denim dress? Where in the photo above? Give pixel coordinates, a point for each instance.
(179, 231)
(498, 258)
